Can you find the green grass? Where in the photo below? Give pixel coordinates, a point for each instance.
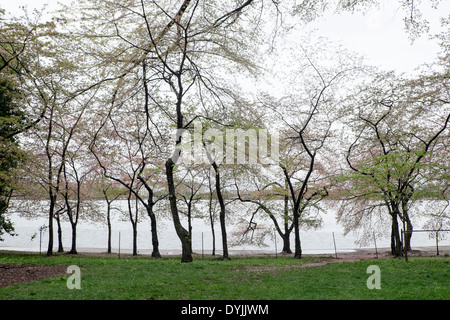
(142, 278)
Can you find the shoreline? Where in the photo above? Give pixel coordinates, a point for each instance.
(353, 254)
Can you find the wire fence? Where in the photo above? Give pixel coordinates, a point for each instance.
(333, 242)
(436, 234)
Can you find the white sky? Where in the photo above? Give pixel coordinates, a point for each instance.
(379, 35)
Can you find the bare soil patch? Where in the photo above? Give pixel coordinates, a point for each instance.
(346, 257)
(11, 274)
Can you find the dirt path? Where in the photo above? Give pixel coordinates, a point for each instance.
(11, 274)
(357, 255)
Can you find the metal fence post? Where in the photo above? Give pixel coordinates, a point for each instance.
(375, 240)
(335, 251)
(437, 242)
(276, 249)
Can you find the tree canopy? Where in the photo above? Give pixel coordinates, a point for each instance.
(114, 90)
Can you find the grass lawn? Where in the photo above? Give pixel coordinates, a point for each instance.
(252, 278)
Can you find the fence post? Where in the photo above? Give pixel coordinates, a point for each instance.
(334, 241)
(375, 240)
(437, 242)
(40, 241)
(276, 249)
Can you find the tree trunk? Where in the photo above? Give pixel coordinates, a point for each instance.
(408, 227)
(155, 241)
(50, 223)
(392, 237)
(286, 244)
(396, 245)
(134, 239)
(408, 234)
(134, 222)
(73, 224)
(189, 217)
(182, 233)
(211, 219)
(298, 246)
(287, 232)
(73, 250)
(108, 222)
(223, 227)
(60, 243)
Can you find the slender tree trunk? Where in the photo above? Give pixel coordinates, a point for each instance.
(223, 226)
(298, 246)
(134, 222)
(393, 242)
(211, 220)
(287, 232)
(73, 223)
(60, 243)
(407, 226)
(183, 234)
(296, 209)
(73, 250)
(108, 222)
(153, 225)
(189, 217)
(50, 223)
(108, 219)
(134, 239)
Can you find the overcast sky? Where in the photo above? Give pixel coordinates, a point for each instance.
(379, 34)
